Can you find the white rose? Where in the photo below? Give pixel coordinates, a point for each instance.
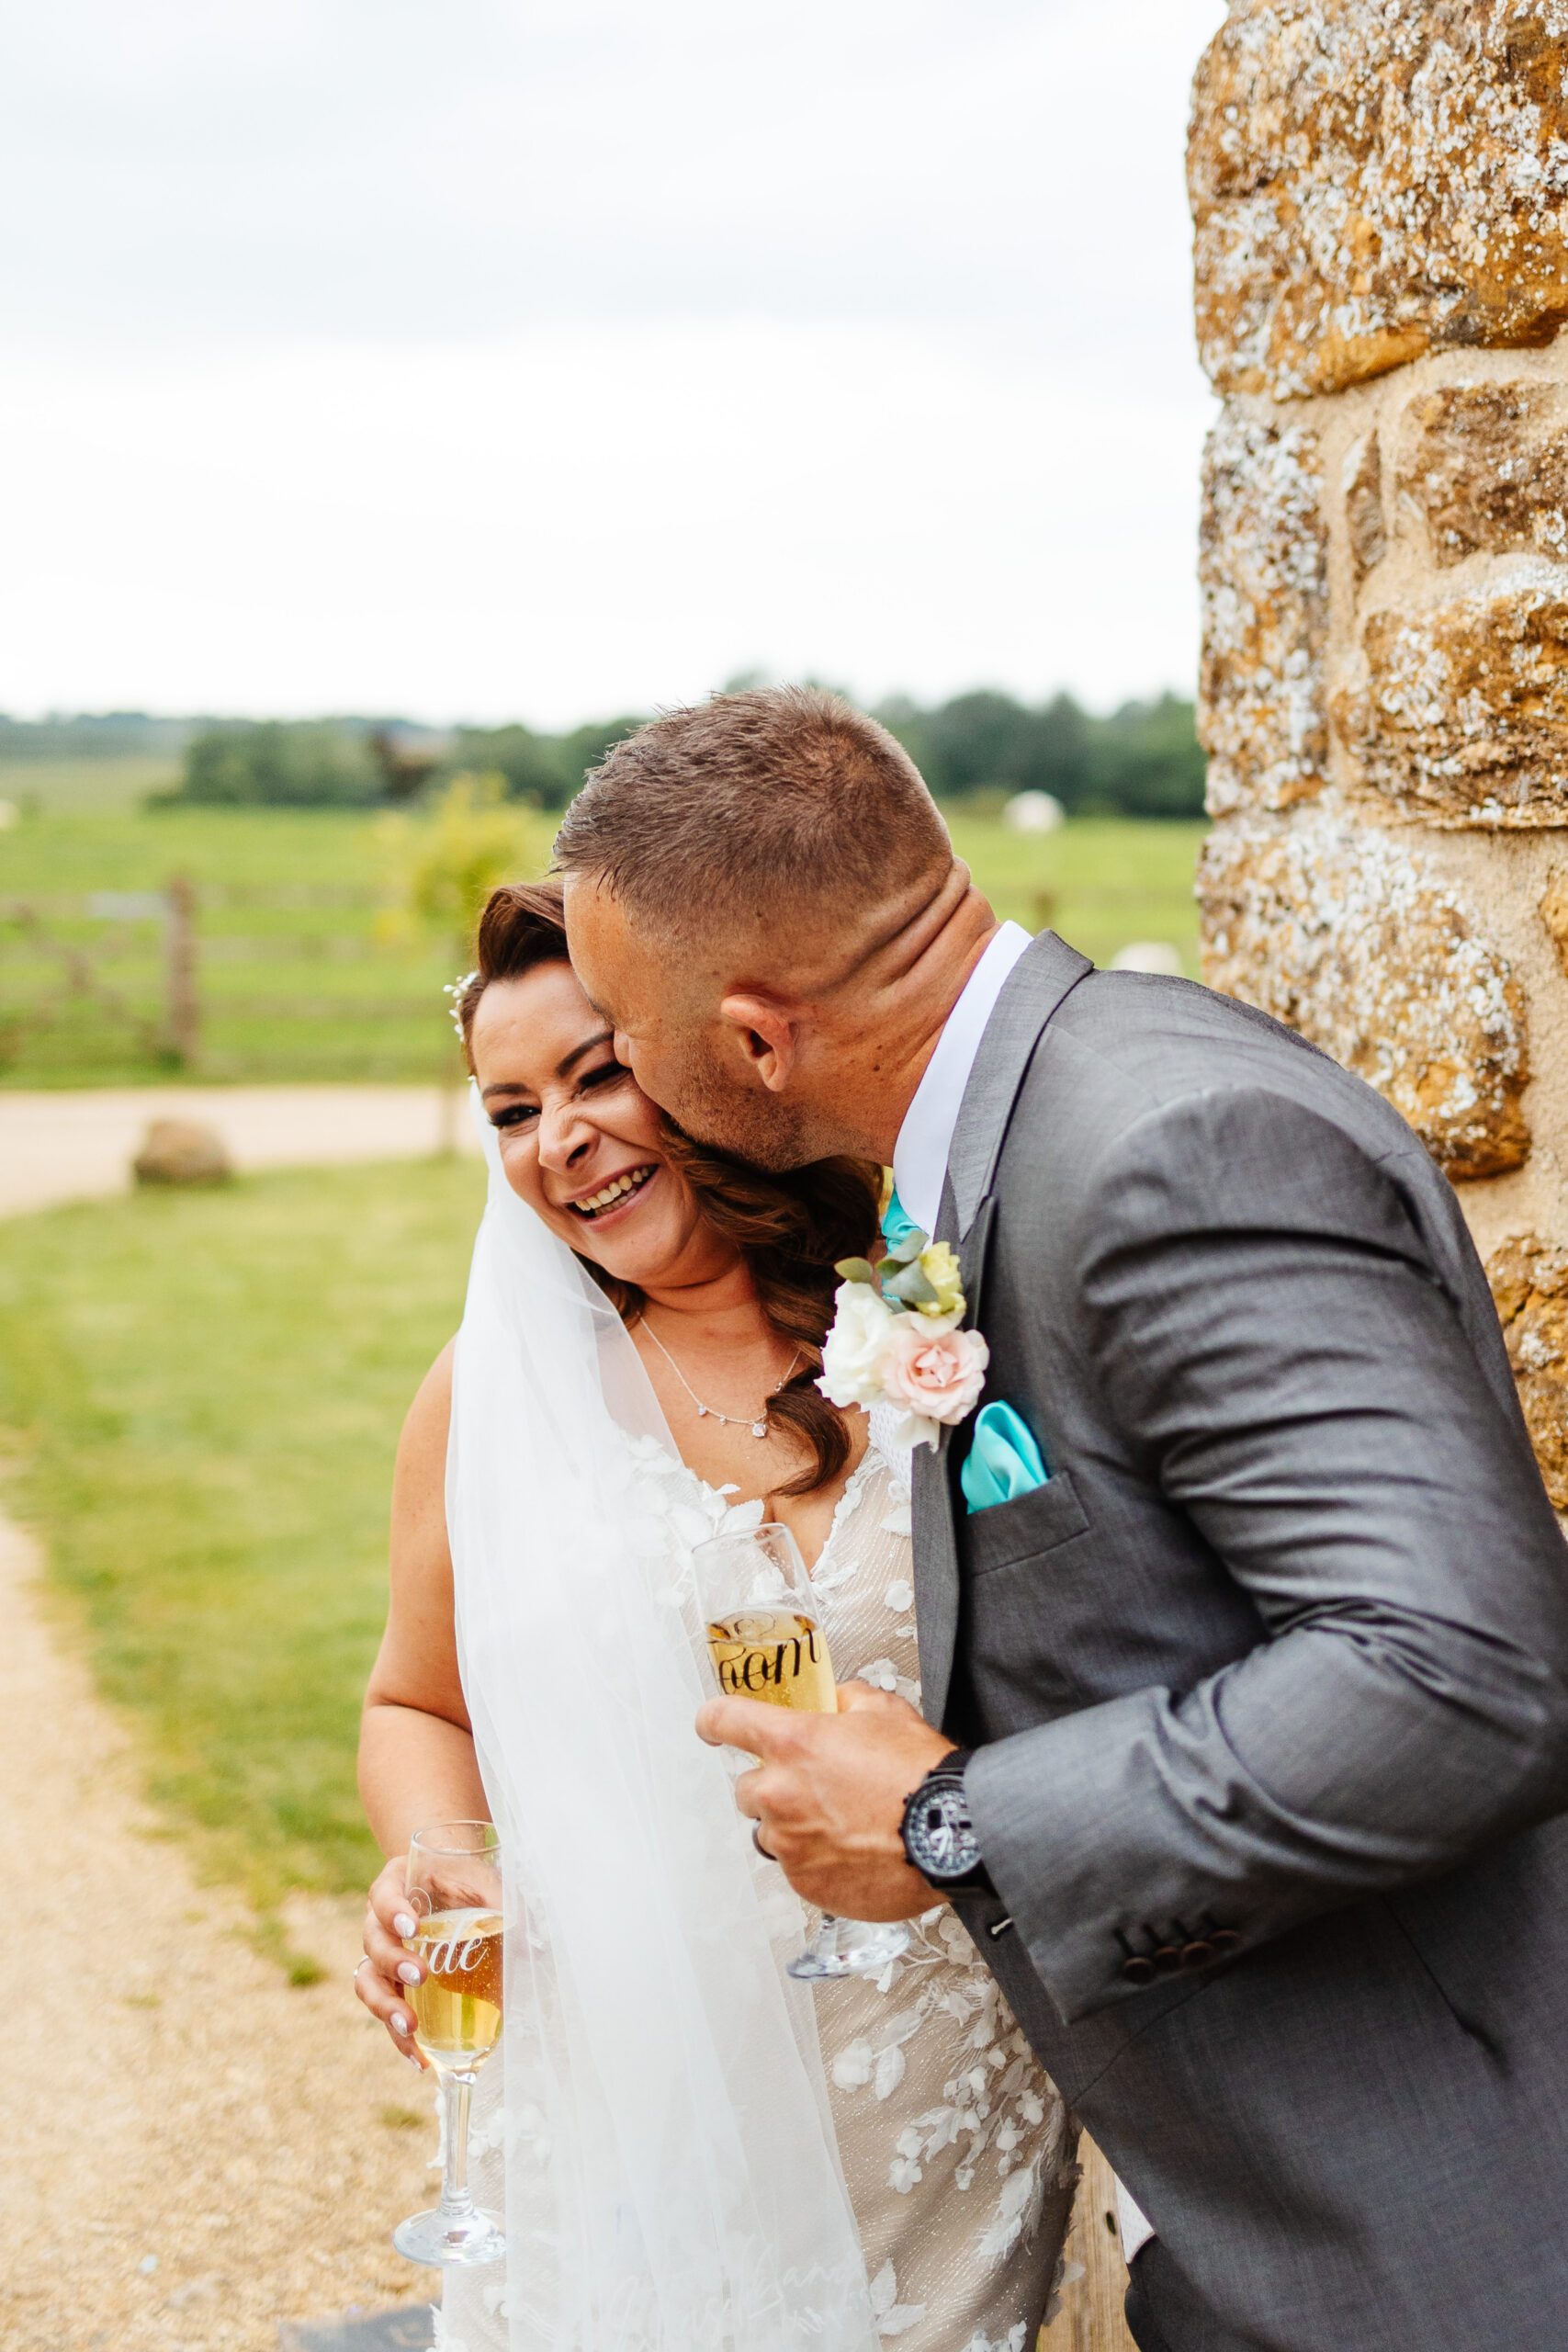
(853, 1350)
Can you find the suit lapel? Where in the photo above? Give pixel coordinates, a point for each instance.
(1046, 972)
(972, 1260)
(1034, 987)
(935, 1548)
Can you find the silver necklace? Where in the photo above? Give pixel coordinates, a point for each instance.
(711, 1412)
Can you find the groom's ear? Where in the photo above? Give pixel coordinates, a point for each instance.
(767, 1036)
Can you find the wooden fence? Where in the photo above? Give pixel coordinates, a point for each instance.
(223, 980)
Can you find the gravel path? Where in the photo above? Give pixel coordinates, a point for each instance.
(192, 2152)
(79, 1146)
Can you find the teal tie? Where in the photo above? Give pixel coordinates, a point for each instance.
(897, 1222)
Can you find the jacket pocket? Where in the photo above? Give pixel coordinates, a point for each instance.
(1022, 1529)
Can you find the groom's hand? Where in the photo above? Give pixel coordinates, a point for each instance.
(828, 1795)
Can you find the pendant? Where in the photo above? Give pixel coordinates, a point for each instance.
(759, 1429)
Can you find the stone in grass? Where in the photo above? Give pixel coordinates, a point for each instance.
(411, 2329)
(180, 1151)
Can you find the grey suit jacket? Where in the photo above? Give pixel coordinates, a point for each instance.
(1269, 1683)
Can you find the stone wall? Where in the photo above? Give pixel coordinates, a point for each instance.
(1379, 192)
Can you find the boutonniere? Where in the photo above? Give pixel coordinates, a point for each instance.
(896, 1339)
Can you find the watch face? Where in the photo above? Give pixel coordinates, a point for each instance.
(940, 1840)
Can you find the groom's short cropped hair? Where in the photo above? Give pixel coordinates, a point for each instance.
(750, 801)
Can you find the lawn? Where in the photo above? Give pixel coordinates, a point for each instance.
(83, 787)
(302, 975)
(203, 1392)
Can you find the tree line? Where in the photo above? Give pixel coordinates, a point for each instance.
(1139, 761)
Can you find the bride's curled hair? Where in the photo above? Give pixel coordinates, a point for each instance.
(790, 1228)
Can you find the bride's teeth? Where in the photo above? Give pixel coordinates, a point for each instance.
(598, 1201)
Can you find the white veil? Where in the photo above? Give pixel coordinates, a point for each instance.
(672, 2178)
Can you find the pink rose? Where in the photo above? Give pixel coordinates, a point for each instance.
(939, 1376)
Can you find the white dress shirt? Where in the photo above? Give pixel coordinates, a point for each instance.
(919, 1156)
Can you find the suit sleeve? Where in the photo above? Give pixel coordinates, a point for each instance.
(1273, 1341)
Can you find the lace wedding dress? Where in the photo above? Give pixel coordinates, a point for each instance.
(954, 2144)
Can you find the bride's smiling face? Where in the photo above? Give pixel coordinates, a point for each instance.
(580, 1141)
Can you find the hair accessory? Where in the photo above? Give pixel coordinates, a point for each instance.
(456, 990)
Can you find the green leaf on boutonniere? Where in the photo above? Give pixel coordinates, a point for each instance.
(909, 1287)
(904, 1252)
(856, 1270)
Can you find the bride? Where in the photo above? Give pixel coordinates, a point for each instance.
(694, 2153)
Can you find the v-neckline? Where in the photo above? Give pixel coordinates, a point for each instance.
(853, 1484)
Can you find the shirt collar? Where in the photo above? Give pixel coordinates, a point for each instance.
(919, 1156)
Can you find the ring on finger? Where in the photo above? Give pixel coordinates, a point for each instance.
(359, 1964)
(757, 1842)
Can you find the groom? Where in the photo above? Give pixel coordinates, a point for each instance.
(1256, 1689)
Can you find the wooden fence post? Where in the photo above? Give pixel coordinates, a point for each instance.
(182, 1004)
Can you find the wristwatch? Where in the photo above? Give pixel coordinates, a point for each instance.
(939, 1836)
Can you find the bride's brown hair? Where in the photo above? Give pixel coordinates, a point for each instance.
(789, 1229)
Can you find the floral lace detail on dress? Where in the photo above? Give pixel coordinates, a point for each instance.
(956, 2149)
(996, 2101)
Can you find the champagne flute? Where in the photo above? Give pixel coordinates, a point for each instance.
(454, 1893)
(766, 1642)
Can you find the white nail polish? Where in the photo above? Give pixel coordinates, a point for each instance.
(400, 2023)
(407, 1971)
(405, 1924)
(410, 2060)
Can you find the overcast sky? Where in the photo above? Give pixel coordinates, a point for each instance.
(493, 359)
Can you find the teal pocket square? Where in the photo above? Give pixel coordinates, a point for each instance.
(1003, 1461)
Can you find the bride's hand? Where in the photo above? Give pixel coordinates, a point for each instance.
(384, 1976)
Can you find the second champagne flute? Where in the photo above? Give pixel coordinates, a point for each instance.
(454, 1892)
(766, 1642)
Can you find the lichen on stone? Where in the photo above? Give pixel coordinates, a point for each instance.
(1458, 712)
(1486, 467)
(1339, 929)
(1529, 1284)
(1372, 181)
(1263, 561)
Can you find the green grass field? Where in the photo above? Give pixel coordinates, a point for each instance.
(302, 975)
(304, 970)
(201, 1392)
(84, 788)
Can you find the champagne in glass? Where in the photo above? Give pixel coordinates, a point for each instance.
(457, 2005)
(776, 1654)
(454, 1892)
(766, 1642)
